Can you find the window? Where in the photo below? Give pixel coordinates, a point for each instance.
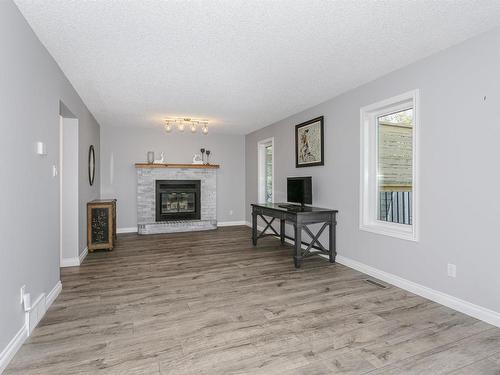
(388, 167)
(266, 170)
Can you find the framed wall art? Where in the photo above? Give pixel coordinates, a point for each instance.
(309, 143)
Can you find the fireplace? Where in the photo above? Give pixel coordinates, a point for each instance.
(204, 179)
(177, 200)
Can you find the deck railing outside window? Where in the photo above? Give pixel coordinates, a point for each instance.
(396, 207)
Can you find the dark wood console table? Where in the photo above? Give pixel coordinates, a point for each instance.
(300, 217)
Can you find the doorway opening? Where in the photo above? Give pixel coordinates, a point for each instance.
(68, 177)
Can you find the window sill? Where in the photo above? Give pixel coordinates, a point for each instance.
(401, 231)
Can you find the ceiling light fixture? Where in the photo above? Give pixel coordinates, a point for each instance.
(181, 123)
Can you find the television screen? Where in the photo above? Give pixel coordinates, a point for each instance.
(299, 190)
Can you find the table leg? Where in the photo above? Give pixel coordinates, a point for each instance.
(297, 259)
(282, 231)
(333, 241)
(254, 228)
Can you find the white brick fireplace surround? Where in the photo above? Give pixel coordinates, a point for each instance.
(146, 195)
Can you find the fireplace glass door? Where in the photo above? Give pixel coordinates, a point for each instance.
(174, 202)
(178, 200)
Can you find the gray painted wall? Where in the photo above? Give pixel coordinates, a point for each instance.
(31, 87)
(123, 147)
(459, 173)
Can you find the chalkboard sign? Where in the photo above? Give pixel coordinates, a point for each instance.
(101, 227)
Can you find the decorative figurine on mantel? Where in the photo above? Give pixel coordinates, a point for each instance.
(208, 155)
(202, 155)
(161, 160)
(197, 159)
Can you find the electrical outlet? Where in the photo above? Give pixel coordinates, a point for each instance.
(23, 292)
(230, 212)
(452, 270)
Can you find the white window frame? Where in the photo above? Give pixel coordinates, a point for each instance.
(368, 171)
(261, 152)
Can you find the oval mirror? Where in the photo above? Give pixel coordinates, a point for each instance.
(91, 165)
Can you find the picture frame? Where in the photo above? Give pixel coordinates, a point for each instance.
(309, 143)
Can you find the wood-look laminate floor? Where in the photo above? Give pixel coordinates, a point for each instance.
(210, 303)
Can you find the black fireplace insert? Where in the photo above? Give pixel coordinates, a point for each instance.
(177, 200)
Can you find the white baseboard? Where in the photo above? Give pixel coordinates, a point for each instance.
(478, 312)
(465, 307)
(53, 294)
(127, 230)
(75, 261)
(230, 223)
(12, 347)
(70, 262)
(17, 341)
(84, 254)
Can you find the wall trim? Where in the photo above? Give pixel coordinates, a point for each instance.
(12, 347)
(126, 230)
(20, 337)
(468, 308)
(75, 261)
(53, 294)
(84, 254)
(465, 307)
(230, 223)
(70, 262)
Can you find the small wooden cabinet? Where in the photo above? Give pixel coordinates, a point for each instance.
(101, 224)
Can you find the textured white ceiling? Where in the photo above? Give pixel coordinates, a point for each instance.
(242, 64)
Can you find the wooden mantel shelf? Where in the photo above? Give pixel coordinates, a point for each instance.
(194, 166)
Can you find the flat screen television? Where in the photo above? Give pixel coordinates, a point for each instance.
(299, 190)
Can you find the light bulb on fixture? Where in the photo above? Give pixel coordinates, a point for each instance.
(181, 123)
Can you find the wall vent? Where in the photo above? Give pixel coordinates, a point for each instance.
(376, 283)
(35, 313)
